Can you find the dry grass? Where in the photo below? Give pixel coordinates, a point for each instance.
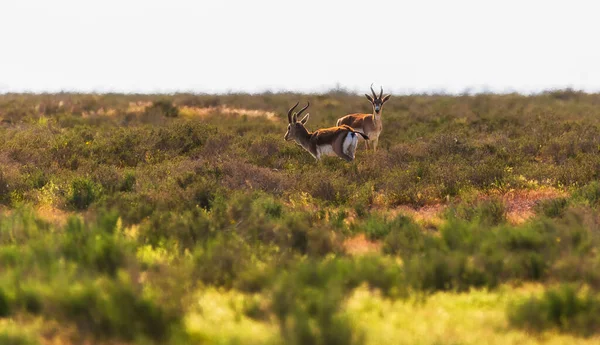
(53, 215)
(360, 245)
(519, 204)
(202, 112)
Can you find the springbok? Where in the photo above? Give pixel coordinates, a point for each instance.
(369, 124)
(340, 140)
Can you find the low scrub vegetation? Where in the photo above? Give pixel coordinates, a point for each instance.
(118, 213)
(562, 308)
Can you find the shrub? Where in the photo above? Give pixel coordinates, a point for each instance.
(307, 304)
(82, 193)
(132, 207)
(436, 271)
(30, 299)
(107, 177)
(406, 238)
(128, 182)
(589, 194)
(562, 308)
(112, 308)
(301, 235)
(187, 229)
(460, 235)
(255, 279)
(219, 262)
(36, 177)
(16, 337)
(21, 226)
(181, 137)
(4, 190)
(96, 247)
(164, 107)
(488, 212)
(204, 193)
(376, 227)
(4, 304)
(552, 208)
(378, 273)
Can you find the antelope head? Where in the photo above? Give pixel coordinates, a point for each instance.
(377, 101)
(296, 128)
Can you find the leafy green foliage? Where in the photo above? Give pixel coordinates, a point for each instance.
(552, 207)
(83, 193)
(15, 337)
(563, 308)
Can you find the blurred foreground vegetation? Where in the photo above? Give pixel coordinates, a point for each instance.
(187, 219)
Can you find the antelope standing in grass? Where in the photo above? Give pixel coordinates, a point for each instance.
(340, 140)
(369, 124)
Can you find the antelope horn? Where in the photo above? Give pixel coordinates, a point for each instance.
(290, 112)
(374, 94)
(381, 93)
(303, 109)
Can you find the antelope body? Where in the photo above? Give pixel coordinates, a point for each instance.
(369, 124)
(340, 141)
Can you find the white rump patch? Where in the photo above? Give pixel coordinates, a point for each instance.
(349, 144)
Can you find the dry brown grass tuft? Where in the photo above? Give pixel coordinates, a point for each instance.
(360, 245)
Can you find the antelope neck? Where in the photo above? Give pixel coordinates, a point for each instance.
(377, 117)
(303, 138)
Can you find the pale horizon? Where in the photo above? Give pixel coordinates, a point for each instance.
(310, 47)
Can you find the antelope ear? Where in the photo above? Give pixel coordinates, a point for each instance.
(369, 98)
(304, 119)
(386, 98)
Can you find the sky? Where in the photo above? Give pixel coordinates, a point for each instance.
(218, 46)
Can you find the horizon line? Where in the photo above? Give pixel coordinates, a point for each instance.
(467, 91)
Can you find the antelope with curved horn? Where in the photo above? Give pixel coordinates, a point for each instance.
(340, 141)
(369, 124)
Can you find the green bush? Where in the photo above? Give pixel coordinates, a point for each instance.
(307, 305)
(4, 304)
(16, 337)
(96, 247)
(552, 208)
(4, 189)
(376, 227)
(220, 261)
(128, 183)
(589, 193)
(378, 273)
(186, 229)
(487, 212)
(31, 299)
(406, 238)
(435, 271)
(300, 234)
(112, 308)
(563, 308)
(82, 193)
